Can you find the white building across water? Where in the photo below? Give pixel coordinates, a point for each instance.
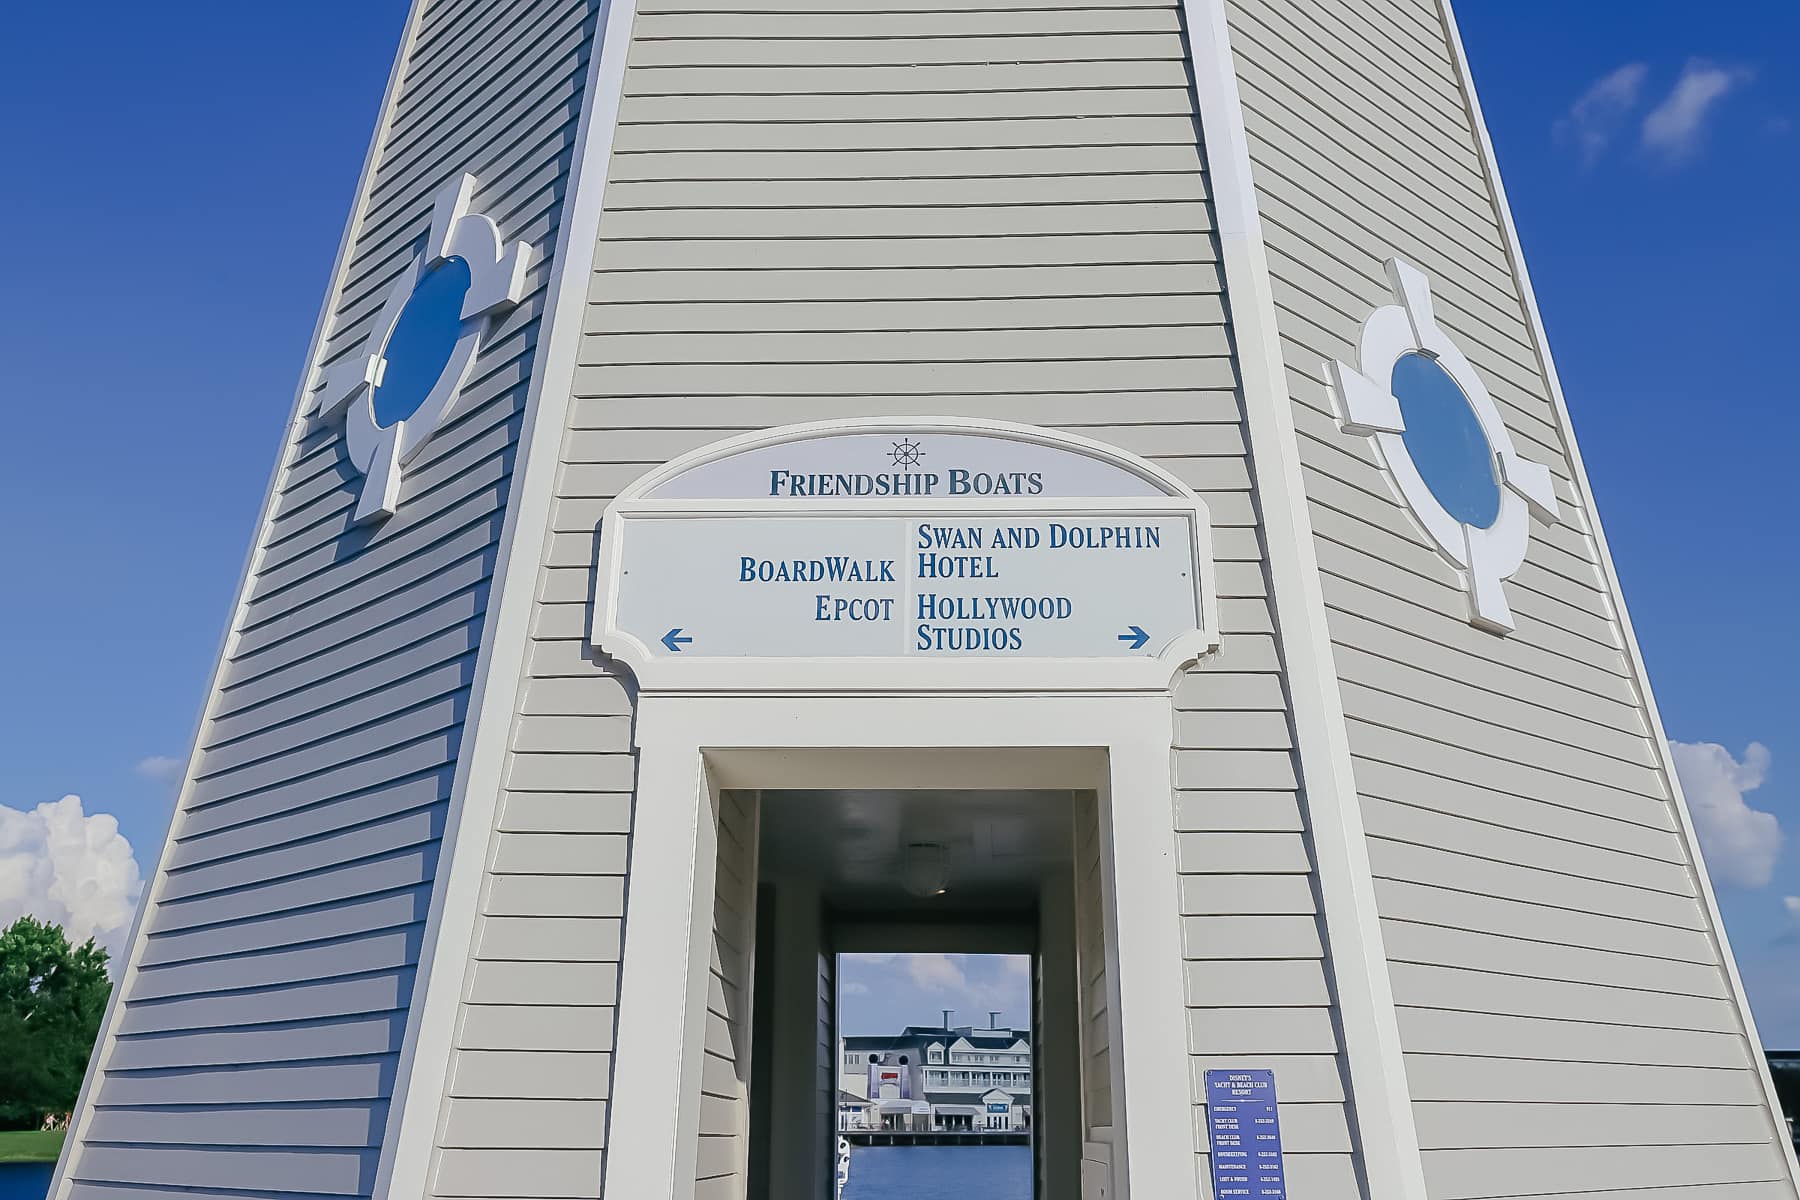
(1075, 478)
(936, 1079)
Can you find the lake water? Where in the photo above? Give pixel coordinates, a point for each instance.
(939, 1173)
(25, 1181)
(876, 1173)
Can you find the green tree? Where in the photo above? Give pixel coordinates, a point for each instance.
(52, 998)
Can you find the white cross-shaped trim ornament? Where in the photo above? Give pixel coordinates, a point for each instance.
(348, 386)
(1367, 407)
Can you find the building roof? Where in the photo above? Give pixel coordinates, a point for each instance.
(1002, 1040)
(923, 1035)
(882, 1041)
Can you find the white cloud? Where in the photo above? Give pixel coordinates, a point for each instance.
(1740, 843)
(1792, 904)
(1675, 128)
(1598, 113)
(64, 866)
(161, 768)
(937, 973)
(882, 993)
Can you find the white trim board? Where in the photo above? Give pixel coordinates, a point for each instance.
(1121, 744)
(1639, 674)
(1386, 1134)
(426, 1051)
(153, 888)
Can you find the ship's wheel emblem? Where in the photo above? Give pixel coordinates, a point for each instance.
(403, 383)
(906, 453)
(1447, 451)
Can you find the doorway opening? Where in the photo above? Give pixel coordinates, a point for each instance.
(727, 1016)
(928, 1000)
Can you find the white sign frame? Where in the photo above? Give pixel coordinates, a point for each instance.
(674, 673)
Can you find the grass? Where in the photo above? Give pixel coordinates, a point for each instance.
(28, 1145)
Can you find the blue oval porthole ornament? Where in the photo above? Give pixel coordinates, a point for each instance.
(423, 341)
(405, 381)
(1443, 444)
(1446, 441)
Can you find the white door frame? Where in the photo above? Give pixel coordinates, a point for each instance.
(1117, 744)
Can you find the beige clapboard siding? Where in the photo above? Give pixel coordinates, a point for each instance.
(953, 161)
(1399, 129)
(1407, 630)
(870, 136)
(1090, 966)
(833, 80)
(779, 52)
(725, 1077)
(853, 195)
(712, 224)
(895, 283)
(936, 26)
(557, 869)
(1632, 826)
(884, 107)
(792, 236)
(861, 7)
(1407, 107)
(1545, 941)
(1505, 844)
(281, 956)
(1453, 1080)
(1524, 941)
(986, 314)
(1471, 1174)
(1549, 1124)
(1461, 990)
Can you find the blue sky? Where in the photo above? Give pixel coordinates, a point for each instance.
(884, 993)
(1664, 267)
(181, 173)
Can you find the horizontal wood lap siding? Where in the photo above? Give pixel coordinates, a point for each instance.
(1094, 1031)
(1549, 954)
(885, 207)
(256, 1048)
(720, 1166)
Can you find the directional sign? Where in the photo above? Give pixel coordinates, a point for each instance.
(1244, 1133)
(943, 540)
(942, 583)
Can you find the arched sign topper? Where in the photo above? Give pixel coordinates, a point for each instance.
(923, 554)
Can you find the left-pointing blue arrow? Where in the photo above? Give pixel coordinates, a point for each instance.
(674, 641)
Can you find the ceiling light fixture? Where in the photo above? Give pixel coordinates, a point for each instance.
(925, 869)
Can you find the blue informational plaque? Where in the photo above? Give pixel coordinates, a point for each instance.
(1245, 1136)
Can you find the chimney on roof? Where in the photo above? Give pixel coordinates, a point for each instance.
(948, 1013)
(994, 1018)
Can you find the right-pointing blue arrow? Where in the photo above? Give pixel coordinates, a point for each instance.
(1137, 637)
